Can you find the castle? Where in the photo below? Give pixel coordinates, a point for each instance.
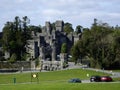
(46, 46)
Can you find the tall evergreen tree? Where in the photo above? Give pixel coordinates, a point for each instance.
(68, 28)
(78, 29)
(15, 36)
(64, 48)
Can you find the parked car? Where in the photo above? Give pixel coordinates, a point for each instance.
(106, 79)
(74, 80)
(95, 78)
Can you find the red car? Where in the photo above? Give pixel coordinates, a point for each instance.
(106, 79)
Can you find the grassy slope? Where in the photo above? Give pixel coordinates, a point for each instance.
(48, 76)
(57, 80)
(63, 86)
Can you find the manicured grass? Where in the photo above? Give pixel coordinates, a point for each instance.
(62, 86)
(116, 79)
(56, 80)
(64, 75)
(116, 70)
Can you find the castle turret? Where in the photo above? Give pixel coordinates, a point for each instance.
(48, 27)
(59, 26)
(53, 50)
(42, 52)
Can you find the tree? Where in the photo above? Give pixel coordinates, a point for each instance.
(78, 29)
(68, 28)
(75, 52)
(35, 28)
(7, 35)
(99, 45)
(78, 51)
(13, 58)
(26, 32)
(53, 26)
(116, 48)
(64, 48)
(15, 36)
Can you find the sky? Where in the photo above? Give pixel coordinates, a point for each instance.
(76, 12)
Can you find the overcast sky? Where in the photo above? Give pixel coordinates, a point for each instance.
(77, 12)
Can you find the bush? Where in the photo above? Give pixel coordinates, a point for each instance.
(13, 58)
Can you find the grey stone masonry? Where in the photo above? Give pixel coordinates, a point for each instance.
(59, 25)
(47, 45)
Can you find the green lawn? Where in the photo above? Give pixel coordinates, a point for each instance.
(62, 86)
(64, 75)
(116, 70)
(56, 80)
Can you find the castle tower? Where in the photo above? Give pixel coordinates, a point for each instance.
(42, 51)
(53, 50)
(48, 27)
(59, 25)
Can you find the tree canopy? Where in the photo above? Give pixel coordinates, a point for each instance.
(101, 44)
(15, 36)
(68, 28)
(64, 48)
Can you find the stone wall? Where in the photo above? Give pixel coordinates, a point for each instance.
(51, 65)
(19, 65)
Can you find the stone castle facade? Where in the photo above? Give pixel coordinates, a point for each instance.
(47, 46)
